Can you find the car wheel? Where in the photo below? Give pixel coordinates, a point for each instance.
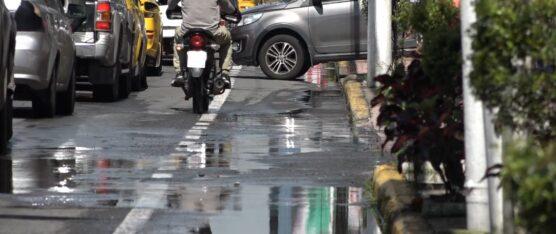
(4, 119)
(157, 70)
(282, 57)
(108, 92)
(10, 116)
(125, 85)
(44, 102)
(305, 69)
(66, 99)
(138, 80)
(4, 132)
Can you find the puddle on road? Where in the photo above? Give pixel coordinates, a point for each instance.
(235, 144)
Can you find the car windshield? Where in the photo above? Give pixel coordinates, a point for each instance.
(12, 5)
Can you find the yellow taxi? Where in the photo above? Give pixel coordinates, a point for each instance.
(244, 4)
(153, 26)
(137, 70)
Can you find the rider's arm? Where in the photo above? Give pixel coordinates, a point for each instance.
(172, 4)
(227, 6)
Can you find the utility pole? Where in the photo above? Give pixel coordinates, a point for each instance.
(478, 217)
(483, 148)
(379, 38)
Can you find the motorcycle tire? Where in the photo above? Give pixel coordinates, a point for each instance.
(200, 95)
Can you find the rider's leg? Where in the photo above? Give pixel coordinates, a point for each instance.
(179, 80)
(224, 38)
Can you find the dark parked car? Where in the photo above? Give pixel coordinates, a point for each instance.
(45, 56)
(7, 52)
(287, 37)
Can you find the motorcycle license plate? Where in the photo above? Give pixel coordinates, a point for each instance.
(196, 59)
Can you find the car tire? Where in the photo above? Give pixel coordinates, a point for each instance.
(282, 57)
(44, 102)
(66, 99)
(125, 86)
(4, 131)
(108, 92)
(6, 119)
(137, 81)
(157, 70)
(305, 69)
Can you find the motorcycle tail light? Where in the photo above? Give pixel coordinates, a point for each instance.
(103, 16)
(197, 41)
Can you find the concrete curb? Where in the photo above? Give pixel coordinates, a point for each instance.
(358, 106)
(396, 199)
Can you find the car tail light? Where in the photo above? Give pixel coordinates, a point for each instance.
(103, 20)
(28, 18)
(150, 34)
(197, 41)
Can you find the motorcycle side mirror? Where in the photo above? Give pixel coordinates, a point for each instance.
(174, 14)
(231, 19)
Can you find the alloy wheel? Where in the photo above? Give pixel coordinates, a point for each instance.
(281, 57)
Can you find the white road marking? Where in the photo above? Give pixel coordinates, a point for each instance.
(154, 195)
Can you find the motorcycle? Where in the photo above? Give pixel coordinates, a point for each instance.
(199, 60)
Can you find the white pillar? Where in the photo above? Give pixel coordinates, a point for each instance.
(494, 157)
(379, 43)
(475, 164)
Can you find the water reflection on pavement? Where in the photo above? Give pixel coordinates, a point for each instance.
(289, 163)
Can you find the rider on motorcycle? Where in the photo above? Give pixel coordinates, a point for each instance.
(205, 14)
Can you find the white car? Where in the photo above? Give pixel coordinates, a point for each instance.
(169, 27)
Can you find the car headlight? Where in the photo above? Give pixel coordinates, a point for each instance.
(249, 19)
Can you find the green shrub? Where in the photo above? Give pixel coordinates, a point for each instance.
(421, 109)
(530, 172)
(515, 63)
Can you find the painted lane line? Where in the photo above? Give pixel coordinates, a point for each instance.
(138, 217)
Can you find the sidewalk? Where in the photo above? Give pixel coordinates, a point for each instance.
(403, 209)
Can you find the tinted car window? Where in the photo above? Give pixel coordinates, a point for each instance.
(88, 10)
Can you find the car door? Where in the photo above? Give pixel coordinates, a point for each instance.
(67, 48)
(337, 27)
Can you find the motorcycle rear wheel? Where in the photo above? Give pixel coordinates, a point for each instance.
(200, 95)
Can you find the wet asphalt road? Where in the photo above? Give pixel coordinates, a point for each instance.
(271, 157)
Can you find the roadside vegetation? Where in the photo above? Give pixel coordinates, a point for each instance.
(515, 74)
(421, 104)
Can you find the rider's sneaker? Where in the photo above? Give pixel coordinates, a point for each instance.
(227, 80)
(178, 82)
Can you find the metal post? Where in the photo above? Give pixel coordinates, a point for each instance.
(475, 164)
(371, 46)
(379, 43)
(494, 157)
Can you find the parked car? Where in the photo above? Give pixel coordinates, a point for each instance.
(7, 53)
(104, 39)
(153, 26)
(168, 30)
(287, 37)
(44, 56)
(139, 79)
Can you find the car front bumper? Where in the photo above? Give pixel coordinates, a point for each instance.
(244, 45)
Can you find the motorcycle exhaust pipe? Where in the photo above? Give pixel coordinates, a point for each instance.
(219, 86)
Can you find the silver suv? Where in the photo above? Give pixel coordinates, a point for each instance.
(287, 37)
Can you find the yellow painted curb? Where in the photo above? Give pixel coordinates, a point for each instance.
(358, 105)
(396, 201)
